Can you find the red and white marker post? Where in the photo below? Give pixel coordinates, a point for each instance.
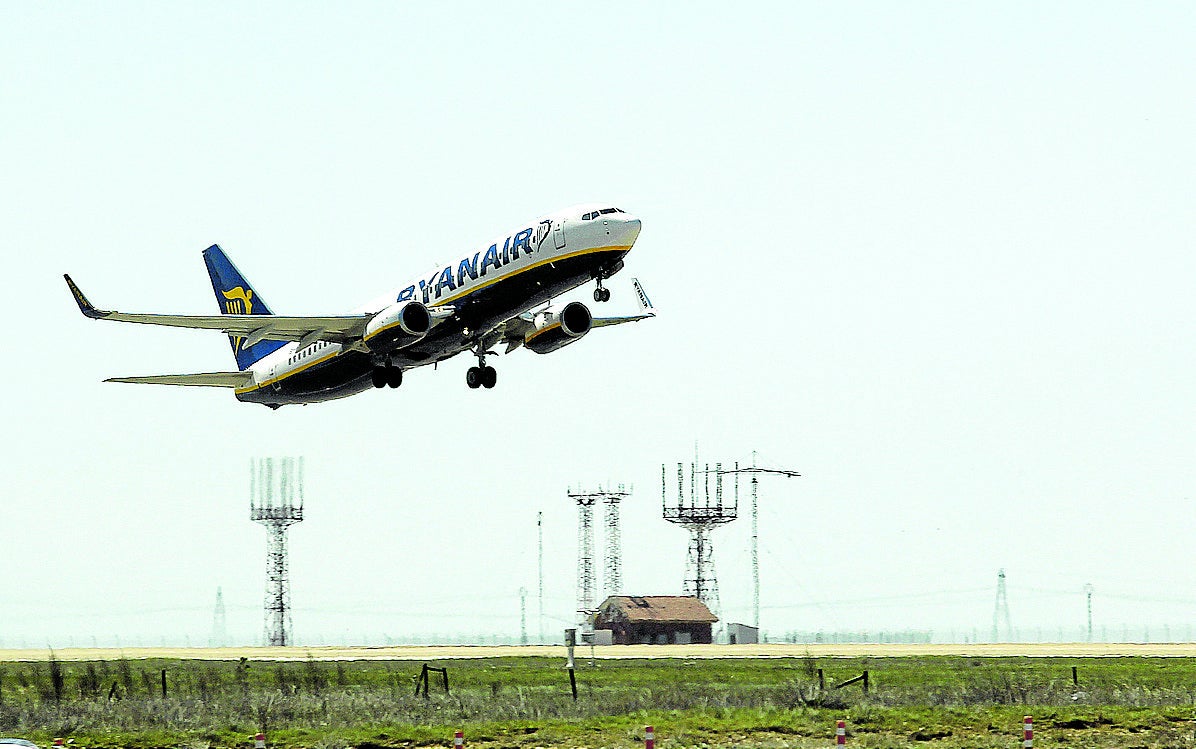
(1027, 732)
(841, 733)
(59, 743)
(458, 739)
(649, 737)
(259, 741)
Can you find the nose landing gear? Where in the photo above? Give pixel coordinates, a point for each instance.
(601, 294)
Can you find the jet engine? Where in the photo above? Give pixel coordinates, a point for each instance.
(556, 329)
(401, 324)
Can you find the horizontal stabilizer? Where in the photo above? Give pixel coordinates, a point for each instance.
(206, 379)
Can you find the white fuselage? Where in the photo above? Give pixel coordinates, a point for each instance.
(468, 299)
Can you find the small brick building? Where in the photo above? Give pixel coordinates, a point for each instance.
(655, 620)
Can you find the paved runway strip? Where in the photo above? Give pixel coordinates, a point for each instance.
(772, 650)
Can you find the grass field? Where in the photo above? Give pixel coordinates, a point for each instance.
(525, 702)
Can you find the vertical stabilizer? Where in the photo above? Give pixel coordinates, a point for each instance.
(235, 296)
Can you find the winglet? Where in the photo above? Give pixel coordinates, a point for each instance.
(645, 302)
(85, 306)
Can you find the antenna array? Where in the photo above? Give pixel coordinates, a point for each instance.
(277, 515)
(700, 516)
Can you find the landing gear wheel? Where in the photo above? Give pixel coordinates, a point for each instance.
(394, 376)
(601, 294)
(489, 377)
(473, 377)
(378, 376)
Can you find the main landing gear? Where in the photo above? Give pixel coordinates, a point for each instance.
(481, 375)
(384, 375)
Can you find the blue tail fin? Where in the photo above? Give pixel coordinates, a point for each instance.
(235, 296)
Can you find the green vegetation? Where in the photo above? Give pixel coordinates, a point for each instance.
(526, 703)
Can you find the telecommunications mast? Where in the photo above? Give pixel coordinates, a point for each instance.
(1088, 590)
(219, 622)
(585, 554)
(1001, 610)
(277, 517)
(755, 473)
(699, 515)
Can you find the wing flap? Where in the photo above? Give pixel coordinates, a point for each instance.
(204, 379)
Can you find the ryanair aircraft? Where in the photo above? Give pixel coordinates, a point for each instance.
(500, 294)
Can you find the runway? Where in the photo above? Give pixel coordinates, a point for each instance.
(770, 650)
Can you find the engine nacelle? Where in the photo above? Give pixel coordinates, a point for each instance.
(401, 324)
(556, 329)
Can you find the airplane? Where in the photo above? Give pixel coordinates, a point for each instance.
(500, 294)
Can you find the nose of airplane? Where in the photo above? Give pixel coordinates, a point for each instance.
(629, 230)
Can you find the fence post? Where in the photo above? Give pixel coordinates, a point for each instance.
(865, 682)
(841, 733)
(821, 680)
(259, 741)
(458, 740)
(1075, 676)
(1027, 732)
(163, 683)
(649, 737)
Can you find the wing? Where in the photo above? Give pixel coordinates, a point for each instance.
(516, 331)
(206, 379)
(253, 328)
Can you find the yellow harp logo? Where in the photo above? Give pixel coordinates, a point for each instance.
(238, 301)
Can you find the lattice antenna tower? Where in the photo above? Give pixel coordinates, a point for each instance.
(540, 570)
(585, 554)
(587, 577)
(699, 514)
(276, 501)
(613, 566)
(219, 622)
(755, 472)
(1088, 590)
(523, 616)
(1001, 610)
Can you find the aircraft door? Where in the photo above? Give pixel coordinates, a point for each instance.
(558, 234)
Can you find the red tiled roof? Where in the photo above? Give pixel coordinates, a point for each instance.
(657, 609)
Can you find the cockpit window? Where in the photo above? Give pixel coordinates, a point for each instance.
(604, 211)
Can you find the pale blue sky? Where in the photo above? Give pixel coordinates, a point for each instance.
(936, 256)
